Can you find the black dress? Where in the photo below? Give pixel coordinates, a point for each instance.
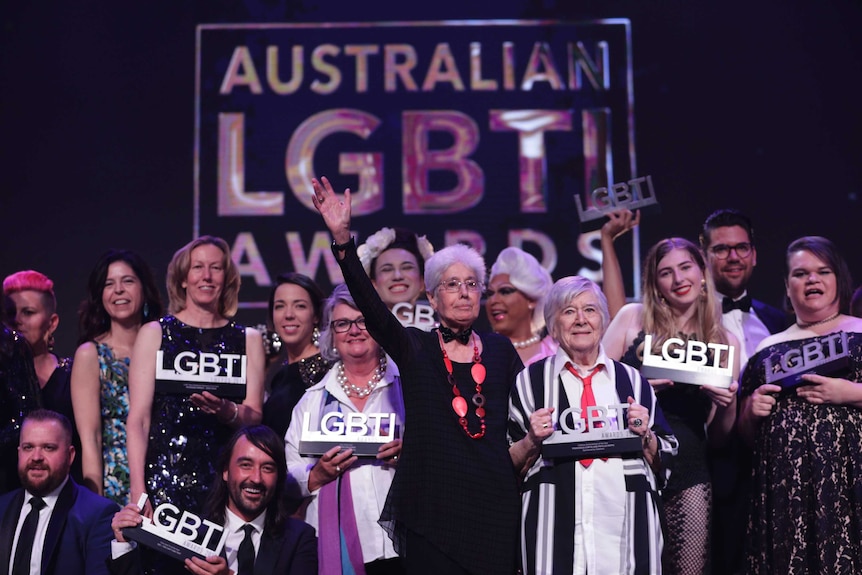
(19, 395)
(287, 387)
(458, 494)
(57, 396)
(806, 510)
(184, 442)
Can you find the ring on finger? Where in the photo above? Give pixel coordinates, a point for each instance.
(545, 425)
(338, 469)
(637, 422)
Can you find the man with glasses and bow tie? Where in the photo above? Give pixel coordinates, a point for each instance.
(52, 525)
(727, 240)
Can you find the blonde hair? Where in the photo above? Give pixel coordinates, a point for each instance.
(178, 271)
(658, 318)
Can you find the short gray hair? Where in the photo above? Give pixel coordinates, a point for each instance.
(564, 291)
(528, 276)
(436, 265)
(339, 295)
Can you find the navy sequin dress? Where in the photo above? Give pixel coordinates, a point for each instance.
(184, 441)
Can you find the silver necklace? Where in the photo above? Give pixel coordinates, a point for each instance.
(807, 324)
(527, 342)
(361, 392)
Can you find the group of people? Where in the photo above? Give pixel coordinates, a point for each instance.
(186, 408)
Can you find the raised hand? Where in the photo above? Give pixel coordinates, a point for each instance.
(335, 211)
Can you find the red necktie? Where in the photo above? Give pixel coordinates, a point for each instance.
(587, 400)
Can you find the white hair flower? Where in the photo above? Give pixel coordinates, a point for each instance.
(425, 247)
(374, 246)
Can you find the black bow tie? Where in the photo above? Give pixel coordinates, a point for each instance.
(449, 335)
(743, 304)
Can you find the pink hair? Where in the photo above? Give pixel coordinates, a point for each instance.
(31, 280)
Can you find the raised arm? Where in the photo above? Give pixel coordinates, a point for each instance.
(86, 403)
(382, 325)
(619, 222)
(142, 385)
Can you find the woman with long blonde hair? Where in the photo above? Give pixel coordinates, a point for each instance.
(679, 301)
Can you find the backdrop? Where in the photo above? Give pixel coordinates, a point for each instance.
(746, 105)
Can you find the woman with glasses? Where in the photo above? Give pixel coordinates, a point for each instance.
(344, 492)
(679, 302)
(453, 506)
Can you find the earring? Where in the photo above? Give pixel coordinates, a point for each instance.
(315, 337)
(51, 342)
(335, 352)
(146, 309)
(662, 300)
(702, 286)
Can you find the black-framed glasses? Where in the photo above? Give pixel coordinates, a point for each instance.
(344, 325)
(722, 251)
(454, 286)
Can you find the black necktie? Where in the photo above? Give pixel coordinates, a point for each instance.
(245, 555)
(743, 304)
(449, 335)
(21, 565)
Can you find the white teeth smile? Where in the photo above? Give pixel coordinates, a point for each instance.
(121, 302)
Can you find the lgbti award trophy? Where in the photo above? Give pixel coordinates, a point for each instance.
(364, 433)
(826, 355)
(690, 361)
(194, 371)
(178, 534)
(599, 435)
(420, 315)
(629, 195)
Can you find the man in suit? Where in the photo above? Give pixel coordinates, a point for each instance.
(249, 492)
(727, 241)
(51, 524)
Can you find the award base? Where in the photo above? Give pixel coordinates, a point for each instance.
(360, 448)
(590, 445)
(155, 541)
(225, 390)
(836, 368)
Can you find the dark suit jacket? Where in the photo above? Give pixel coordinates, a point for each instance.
(773, 318)
(293, 553)
(79, 534)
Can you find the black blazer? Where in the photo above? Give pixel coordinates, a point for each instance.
(79, 534)
(292, 553)
(773, 318)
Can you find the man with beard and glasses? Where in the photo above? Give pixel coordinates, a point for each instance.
(727, 241)
(52, 525)
(249, 491)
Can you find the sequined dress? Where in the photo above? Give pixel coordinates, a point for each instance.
(184, 441)
(806, 508)
(114, 384)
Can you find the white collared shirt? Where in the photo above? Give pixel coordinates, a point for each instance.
(748, 329)
(235, 536)
(41, 527)
(370, 478)
(601, 505)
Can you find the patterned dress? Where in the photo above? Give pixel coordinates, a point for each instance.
(806, 509)
(114, 382)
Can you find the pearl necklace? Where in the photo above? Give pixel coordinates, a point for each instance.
(527, 342)
(807, 324)
(361, 392)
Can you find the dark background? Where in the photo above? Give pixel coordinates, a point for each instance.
(751, 105)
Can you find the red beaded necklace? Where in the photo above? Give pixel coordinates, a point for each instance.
(459, 404)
